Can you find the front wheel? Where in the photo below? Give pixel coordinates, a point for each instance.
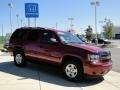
(19, 59)
(72, 70)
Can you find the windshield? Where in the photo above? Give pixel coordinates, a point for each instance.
(67, 37)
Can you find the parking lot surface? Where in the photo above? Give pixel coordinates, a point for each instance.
(44, 77)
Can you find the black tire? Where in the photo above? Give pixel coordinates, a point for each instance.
(22, 61)
(78, 76)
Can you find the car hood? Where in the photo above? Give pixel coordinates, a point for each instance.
(88, 47)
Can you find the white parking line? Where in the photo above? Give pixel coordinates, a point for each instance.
(118, 46)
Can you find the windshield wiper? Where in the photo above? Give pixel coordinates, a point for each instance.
(72, 42)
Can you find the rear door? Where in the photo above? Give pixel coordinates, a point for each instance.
(32, 43)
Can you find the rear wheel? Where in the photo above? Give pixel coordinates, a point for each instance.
(19, 59)
(72, 70)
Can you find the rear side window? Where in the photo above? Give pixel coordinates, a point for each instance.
(33, 35)
(18, 34)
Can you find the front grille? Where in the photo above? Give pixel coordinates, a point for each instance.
(105, 57)
(105, 61)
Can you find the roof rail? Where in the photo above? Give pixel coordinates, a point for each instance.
(31, 28)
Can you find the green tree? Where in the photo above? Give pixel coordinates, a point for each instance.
(89, 32)
(2, 39)
(108, 29)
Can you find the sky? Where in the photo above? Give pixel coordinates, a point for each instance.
(58, 11)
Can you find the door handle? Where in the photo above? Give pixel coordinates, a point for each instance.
(40, 46)
(47, 50)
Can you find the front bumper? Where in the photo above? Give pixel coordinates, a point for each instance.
(97, 69)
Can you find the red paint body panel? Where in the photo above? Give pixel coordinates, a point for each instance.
(94, 69)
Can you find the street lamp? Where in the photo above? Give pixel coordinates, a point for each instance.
(10, 5)
(95, 3)
(101, 31)
(71, 23)
(2, 34)
(17, 15)
(24, 24)
(21, 22)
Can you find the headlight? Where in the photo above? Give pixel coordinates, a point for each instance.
(93, 57)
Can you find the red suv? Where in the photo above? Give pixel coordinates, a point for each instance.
(59, 48)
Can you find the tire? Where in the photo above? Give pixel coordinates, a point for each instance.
(73, 70)
(19, 59)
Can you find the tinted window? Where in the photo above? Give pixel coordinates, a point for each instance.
(18, 34)
(33, 35)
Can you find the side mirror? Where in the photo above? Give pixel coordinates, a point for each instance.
(53, 40)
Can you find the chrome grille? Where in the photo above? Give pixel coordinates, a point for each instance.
(105, 57)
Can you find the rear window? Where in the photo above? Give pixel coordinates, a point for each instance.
(19, 34)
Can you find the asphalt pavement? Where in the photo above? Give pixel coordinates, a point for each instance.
(115, 54)
(40, 77)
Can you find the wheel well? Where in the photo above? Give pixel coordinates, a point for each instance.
(17, 49)
(72, 58)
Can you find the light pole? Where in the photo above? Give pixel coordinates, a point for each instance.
(10, 5)
(71, 23)
(2, 34)
(101, 31)
(17, 15)
(95, 3)
(35, 21)
(24, 24)
(21, 22)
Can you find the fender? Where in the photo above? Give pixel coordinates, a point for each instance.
(72, 55)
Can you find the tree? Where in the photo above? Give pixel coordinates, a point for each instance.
(108, 29)
(89, 33)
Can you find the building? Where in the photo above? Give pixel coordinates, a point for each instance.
(116, 32)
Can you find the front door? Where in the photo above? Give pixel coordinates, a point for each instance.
(49, 47)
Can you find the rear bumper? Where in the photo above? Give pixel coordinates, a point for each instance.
(94, 70)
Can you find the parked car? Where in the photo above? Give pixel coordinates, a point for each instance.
(102, 41)
(60, 48)
(6, 45)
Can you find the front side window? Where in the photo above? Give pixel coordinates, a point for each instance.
(47, 37)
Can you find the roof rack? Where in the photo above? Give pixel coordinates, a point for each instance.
(31, 28)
